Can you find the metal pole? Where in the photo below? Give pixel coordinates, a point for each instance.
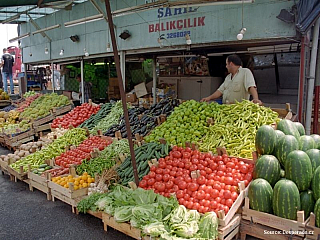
(313, 63)
(123, 98)
(316, 97)
(82, 82)
(52, 76)
(123, 68)
(154, 66)
(301, 79)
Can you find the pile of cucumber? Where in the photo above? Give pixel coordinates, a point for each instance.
(143, 154)
(96, 118)
(42, 168)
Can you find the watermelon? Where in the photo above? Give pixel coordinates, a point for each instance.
(314, 155)
(268, 168)
(265, 140)
(317, 212)
(299, 169)
(307, 203)
(306, 143)
(315, 183)
(260, 195)
(284, 146)
(286, 199)
(288, 128)
(316, 139)
(300, 128)
(279, 135)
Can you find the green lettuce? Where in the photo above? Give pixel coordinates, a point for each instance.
(155, 229)
(208, 226)
(123, 214)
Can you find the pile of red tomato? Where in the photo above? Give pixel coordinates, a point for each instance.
(27, 102)
(77, 116)
(77, 155)
(215, 189)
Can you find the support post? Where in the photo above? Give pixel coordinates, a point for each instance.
(82, 82)
(313, 63)
(123, 68)
(154, 68)
(52, 76)
(122, 93)
(316, 97)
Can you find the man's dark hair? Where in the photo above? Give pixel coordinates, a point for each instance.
(79, 76)
(4, 50)
(234, 59)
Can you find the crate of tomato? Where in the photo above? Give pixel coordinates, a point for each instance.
(202, 181)
(77, 116)
(75, 155)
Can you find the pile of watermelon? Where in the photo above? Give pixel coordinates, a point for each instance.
(287, 172)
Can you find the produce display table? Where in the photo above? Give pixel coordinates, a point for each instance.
(40, 183)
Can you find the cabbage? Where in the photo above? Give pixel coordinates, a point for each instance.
(146, 214)
(208, 226)
(123, 214)
(186, 230)
(141, 196)
(155, 229)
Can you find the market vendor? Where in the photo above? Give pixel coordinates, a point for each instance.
(87, 89)
(238, 85)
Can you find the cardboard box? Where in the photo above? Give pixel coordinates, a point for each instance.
(131, 97)
(67, 94)
(140, 90)
(113, 82)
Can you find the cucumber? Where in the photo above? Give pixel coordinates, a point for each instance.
(41, 169)
(157, 155)
(48, 168)
(166, 149)
(144, 165)
(43, 165)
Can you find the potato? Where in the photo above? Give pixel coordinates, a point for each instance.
(21, 154)
(6, 159)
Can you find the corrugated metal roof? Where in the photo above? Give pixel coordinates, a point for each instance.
(308, 13)
(14, 11)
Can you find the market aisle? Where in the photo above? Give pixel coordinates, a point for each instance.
(26, 215)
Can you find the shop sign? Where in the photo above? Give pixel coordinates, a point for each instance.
(176, 25)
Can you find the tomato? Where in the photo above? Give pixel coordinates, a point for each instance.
(244, 169)
(208, 189)
(153, 168)
(152, 174)
(186, 155)
(248, 176)
(196, 206)
(186, 196)
(179, 194)
(201, 195)
(162, 165)
(234, 196)
(159, 170)
(228, 180)
(229, 202)
(220, 173)
(158, 177)
(182, 185)
(169, 184)
(173, 173)
(208, 170)
(169, 162)
(227, 194)
(165, 177)
(180, 164)
(176, 154)
(225, 209)
(189, 205)
(161, 187)
(193, 186)
(201, 180)
(203, 173)
(151, 181)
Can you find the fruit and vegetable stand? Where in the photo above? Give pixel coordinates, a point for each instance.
(184, 192)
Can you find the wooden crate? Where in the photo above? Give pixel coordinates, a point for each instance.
(70, 201)
(43, 120)
(62, 110)
(40, 183)
(95, 214)
(284, 113)
(41, 128)
(264, 232)
(13, 143)
(67, 195)
(273, 221)
(231, 230)
(126, 228)
(15, 176)
(312, 232)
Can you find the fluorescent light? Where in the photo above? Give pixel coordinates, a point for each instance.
(84, 20)
(8, 20)
(46, 29)
(19, 37)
